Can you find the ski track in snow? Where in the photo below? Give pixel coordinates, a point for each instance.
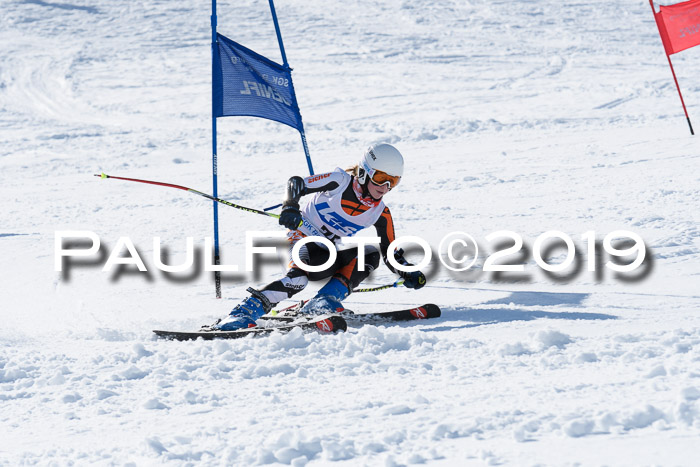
(518, 115)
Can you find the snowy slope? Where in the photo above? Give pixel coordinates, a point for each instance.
(517, 115)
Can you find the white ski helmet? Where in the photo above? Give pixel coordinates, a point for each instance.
(382, 163)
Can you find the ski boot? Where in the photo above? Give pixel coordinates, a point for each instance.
(327, 300)
(244, 314)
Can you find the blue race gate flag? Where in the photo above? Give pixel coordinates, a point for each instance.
(248, 84)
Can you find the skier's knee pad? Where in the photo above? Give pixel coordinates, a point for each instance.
(295, 283)
(286, 287)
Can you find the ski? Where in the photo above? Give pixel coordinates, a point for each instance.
(429, 310)
(325, 323)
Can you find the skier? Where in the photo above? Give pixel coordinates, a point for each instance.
(344, 203)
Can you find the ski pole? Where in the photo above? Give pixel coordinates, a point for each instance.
(370, 289)
(383, 287)
(273, 207)
(191, 190)
(228, 203)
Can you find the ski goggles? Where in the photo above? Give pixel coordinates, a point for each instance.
(382, 178)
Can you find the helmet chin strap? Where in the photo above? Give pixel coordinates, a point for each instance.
(362, 192)
(365, 190)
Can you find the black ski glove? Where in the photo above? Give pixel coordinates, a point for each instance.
(414, 280)
(291, 216)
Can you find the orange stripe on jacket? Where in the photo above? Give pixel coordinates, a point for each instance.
(389, 225)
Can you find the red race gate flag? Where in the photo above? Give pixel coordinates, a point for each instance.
(679, 25)
(679, 28)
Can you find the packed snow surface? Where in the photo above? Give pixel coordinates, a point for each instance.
(512, 115)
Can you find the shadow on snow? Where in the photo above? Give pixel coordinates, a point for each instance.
(482, 316)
